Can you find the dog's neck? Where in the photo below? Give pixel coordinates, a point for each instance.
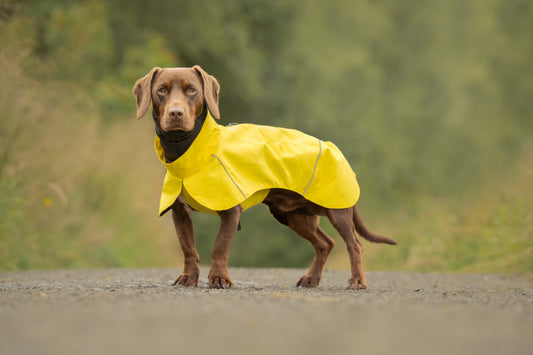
(176, 143)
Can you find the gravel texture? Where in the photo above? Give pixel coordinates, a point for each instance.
(137, 311)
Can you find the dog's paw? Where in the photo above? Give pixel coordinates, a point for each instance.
(220, 281)
(308, 281)
(357, 284)
(186, 280)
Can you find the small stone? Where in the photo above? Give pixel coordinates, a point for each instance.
(417, 290)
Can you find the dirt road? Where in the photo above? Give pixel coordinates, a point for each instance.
(124, 311)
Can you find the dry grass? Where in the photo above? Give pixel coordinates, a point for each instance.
(73, 183)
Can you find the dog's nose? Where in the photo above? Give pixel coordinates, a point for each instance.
(176, 112)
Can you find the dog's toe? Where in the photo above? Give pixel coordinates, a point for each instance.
(186, 280)
(220, 282)
(356, 284)
(308, 281)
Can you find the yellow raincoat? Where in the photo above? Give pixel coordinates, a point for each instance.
(227, 166)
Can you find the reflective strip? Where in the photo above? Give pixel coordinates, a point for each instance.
(316, 164)
(221, 163)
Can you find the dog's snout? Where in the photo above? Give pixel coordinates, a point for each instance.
(176, 112)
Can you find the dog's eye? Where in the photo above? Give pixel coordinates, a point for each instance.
(162, 91)
(191, 91)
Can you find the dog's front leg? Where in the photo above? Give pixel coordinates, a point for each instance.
(229, 222)
(183, 224)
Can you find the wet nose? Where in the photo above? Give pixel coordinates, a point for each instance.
(176, 112)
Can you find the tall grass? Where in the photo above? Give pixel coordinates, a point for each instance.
(487, 230)
(73, 188)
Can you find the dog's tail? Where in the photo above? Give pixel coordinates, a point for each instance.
(365, 233)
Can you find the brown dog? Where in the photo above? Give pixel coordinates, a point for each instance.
(181, 98)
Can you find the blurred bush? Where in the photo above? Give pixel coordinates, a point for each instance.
(430, 101)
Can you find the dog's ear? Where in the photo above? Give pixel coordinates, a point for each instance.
(211, 90)
(143, 92)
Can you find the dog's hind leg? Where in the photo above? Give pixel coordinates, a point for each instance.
(342, 220)
(307, 227)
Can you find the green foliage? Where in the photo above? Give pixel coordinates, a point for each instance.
(77, 37)
(490, 232)
(428, 101)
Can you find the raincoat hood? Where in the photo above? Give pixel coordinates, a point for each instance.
(239, 164)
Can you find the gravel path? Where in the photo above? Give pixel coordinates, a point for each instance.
(130, 311)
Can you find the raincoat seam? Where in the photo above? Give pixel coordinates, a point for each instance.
(316, 164)
(227, 172)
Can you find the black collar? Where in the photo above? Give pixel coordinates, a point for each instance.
(176, 143)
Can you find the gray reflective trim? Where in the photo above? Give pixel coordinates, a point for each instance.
(221, 163)
(316, 164)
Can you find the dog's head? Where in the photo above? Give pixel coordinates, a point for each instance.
(177, 95)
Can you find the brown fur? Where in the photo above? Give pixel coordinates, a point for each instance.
(177, 96)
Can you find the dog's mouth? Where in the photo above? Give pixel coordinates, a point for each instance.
(176, 128)
(172, 130)
(170, 124)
